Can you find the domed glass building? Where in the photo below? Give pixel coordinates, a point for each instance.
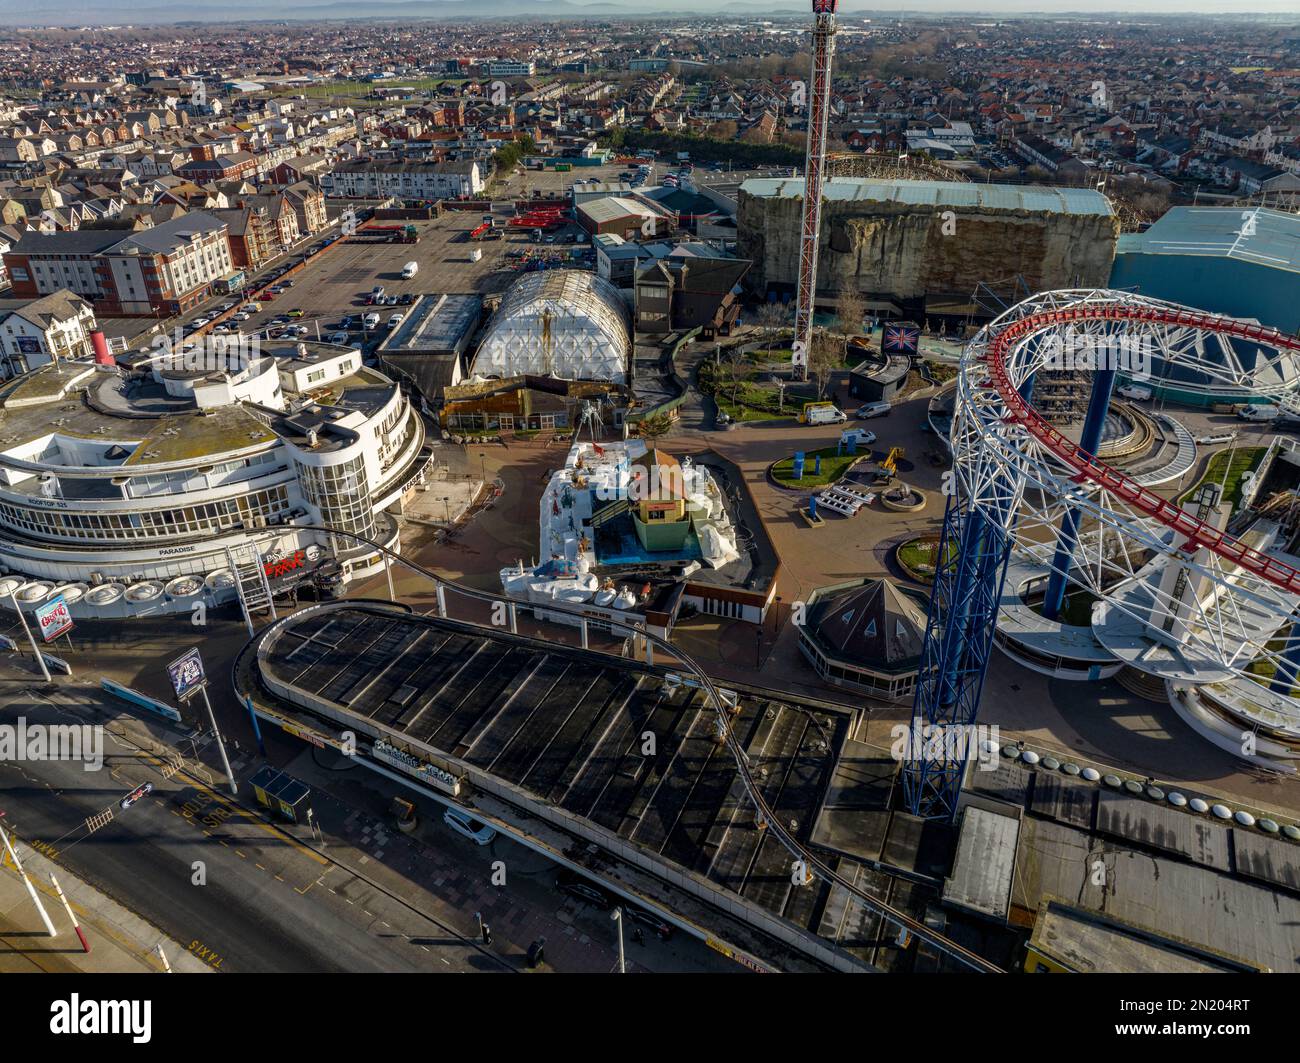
(567, 324)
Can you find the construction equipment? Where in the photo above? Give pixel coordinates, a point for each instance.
(819, 93)
(889, 467)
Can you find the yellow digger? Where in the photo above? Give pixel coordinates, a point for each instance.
(888, 468)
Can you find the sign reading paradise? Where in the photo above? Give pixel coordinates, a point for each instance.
(186, 674)
(54, 618)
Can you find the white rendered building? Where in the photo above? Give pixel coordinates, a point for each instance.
(171, 480)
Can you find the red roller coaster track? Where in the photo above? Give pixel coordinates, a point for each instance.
(1199, 534)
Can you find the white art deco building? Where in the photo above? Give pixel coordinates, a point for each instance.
(153, 487)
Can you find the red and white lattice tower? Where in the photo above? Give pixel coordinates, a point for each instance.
(819, 107)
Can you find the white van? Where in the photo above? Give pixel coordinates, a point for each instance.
(874, 409)
(824, 415)
(1265, 412)
(1136, 392)
(370, 321)
(410, 270)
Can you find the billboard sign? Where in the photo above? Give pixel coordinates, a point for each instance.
(54, 618)
(186, 674)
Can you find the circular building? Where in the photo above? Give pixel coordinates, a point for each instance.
(177, 465)
(865, 636)
(567, 324)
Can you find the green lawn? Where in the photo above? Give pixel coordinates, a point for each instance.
(920, 555)
(740, 412)
(1239, 461)
(833, 467)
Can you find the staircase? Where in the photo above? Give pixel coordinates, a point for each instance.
(250, 580)
(609, 512)
(1143, 684)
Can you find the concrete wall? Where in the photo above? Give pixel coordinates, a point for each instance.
(900, 250)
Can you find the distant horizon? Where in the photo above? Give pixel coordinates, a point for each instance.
(123, 14)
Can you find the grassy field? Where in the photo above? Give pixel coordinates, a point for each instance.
(833, 467)
(1238, 461)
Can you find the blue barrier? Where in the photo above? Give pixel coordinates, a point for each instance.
(142, 701)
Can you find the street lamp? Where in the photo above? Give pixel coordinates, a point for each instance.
(446, 501)
(617, 916)
(482, 457)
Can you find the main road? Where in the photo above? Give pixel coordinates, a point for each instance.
(236, 891)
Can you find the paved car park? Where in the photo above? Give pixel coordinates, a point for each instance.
(337, 283)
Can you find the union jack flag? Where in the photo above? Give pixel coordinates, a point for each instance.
(900, 339)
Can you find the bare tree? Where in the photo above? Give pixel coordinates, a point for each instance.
(771, 316)
(850, 308)
(824, 358)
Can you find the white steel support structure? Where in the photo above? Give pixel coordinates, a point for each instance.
(819, 107)
(1235, 595)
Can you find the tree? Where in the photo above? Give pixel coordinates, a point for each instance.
(850, 308)
(771, 316)
(653, 427)
(824, 358)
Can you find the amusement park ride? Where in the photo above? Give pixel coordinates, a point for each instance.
(1206, 603)
(819, 107)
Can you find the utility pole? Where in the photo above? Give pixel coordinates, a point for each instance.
(13, 597)
(31, 890)
(225, 760)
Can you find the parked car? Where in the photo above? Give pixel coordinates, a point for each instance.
(395, 319)
(466, 825)
(1135, 392)
(577, 886)
(377, 292)
(267, 297)
(370, 321)
(407, 299)
(297, 311)
(339, 337)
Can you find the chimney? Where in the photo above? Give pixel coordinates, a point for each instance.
(100, 345)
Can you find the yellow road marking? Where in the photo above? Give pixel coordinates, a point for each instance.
(235, 810)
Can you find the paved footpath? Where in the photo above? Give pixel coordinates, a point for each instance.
(120, 941)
